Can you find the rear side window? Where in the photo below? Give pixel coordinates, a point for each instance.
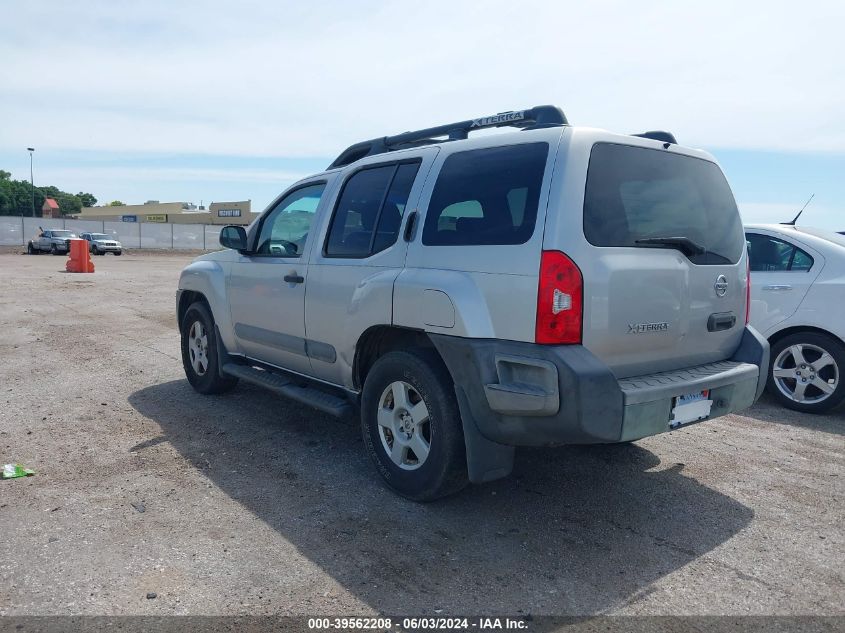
(636, 193)
(370, 209)
(486, 196)
(769, 254)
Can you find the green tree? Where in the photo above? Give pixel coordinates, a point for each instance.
(17, 197)
(69, 204)
(88, 199)
(117, 203)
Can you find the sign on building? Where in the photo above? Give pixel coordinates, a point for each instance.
(129, 218)
(228, 213)
(157, 218)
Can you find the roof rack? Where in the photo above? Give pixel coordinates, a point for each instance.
(659, 135)
(536, 117)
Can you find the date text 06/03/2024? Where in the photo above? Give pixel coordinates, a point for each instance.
(419, 623)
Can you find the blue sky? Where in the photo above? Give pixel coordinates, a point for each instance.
(204, 101)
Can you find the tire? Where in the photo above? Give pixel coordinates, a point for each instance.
(417, 377)
(95, 250)
(30, 249)
(118, 253)
(813, 359)
(198, 338)
(54, 250)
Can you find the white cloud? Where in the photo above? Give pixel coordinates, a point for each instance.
(288, 79)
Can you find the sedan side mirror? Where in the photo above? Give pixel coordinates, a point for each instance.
(233, 237)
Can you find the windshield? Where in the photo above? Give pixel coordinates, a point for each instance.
(63, 234)
(636, 195)
(100, 236)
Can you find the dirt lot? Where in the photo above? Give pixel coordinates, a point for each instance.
(251, 504)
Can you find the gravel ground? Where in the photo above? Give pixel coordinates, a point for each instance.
(251, 504)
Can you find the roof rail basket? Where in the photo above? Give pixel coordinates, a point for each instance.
(536, 117)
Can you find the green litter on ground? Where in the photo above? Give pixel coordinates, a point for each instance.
(12, 471)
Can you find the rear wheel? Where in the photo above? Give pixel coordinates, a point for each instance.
(199, 352)
(412, 427)
(807, 372)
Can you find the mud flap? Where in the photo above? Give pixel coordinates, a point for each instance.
(486, 460)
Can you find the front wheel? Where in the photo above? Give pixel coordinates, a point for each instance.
(412, 427)
(806, 372)
(118, 253)
(54, 249)
(95, 250)
(199, 352)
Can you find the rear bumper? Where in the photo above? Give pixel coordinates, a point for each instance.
(521, 394)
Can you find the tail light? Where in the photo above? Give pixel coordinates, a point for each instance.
(747, 289)
(560, 300)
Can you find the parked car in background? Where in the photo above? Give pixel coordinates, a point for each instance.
(53, 241)
(100, 244)
(798, 303)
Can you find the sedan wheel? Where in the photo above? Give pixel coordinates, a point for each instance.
(806, 373)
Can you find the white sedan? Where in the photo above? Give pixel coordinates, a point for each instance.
(798, 303)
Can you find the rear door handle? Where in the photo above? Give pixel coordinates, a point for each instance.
(294, 279)
(410, 226)
(777, 287)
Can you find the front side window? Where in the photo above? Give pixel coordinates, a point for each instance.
(769, 254)
(486, 196)
(370, 209)
(284, 231)
(637, 194)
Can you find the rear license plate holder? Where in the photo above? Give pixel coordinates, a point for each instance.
(690, 407)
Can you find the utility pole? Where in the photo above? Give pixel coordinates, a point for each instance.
(32, 179)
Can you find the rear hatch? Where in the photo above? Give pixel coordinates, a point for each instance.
(665, 272)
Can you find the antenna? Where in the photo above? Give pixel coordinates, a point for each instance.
(795, 219)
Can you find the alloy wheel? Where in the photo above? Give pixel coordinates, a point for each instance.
(404, 426)
(806, 373)
(198, 348)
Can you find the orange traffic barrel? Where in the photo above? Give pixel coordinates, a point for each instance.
(79, 257)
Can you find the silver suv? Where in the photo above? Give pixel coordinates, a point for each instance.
(101, 243)
(552, 285)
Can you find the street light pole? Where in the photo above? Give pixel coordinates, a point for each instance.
(32, 179)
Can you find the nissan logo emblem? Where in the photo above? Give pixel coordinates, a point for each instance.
(721, 285)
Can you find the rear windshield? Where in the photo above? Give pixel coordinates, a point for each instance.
(830, 236)
(636, 193)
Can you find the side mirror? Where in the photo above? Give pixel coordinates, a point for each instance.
(233, 237)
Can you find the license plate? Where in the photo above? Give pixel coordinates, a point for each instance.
(690, 407)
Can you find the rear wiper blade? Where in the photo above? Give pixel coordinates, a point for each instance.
(683, 244)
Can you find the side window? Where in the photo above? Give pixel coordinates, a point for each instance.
(370, 209)
(284, 231)
(801, 261)
(486, 196)
(769, 254)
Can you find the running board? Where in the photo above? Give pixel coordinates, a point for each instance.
(326, 402)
